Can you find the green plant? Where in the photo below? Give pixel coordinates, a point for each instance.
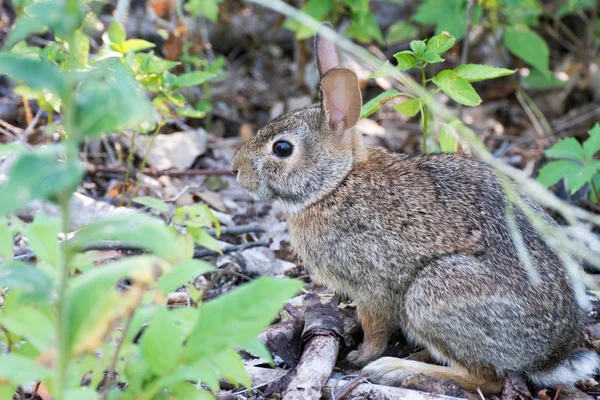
(363, 26)
(455, 83)
(60, 314)
(575, 163)
(512, 22)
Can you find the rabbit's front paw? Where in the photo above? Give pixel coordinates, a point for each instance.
(362, 356)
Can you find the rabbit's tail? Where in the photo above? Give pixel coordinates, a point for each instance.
(579, 365)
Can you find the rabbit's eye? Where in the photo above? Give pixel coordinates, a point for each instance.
(283, 148)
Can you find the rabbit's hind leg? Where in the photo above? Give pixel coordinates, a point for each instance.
(392, 371)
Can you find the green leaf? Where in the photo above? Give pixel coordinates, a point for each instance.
(41, 15)
(30, 324)
(229, 365)
(575, 174)
(418, 47)
(476, 72)
(161, 343)
(592, 145)
(457, 88)
(110, 99)
(410, 108)
(182, 273)
(199, 371)
(42, 236)
(566, 148)
(528, 46)
(375, 104)
(35, 73)
(32, 282)
(406, 60)
(11, 148)
(114, 34)
(539, 80)
(400, 31)
(133, 45)
(431, 57)
(152, 202)
(258, 349)
(94, 302)
(38, 176)
(202, 238)
(238, 316)
(6, 241)
(81, 394)
(20, 370)
(448, 139)
(449, 16)
(188, 391)
(441, 43)
(137, 230)
(365, 28)
(190, 113)
(208, 8)
(192, 79)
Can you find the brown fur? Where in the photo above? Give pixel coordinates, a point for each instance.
(420, 243)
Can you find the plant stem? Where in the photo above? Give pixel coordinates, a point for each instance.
(62, 324)
(113, 363)
(128, 170)
(159, 125)
(424, 125)
(595, 189)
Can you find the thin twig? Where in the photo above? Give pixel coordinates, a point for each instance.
(100, 169)
(238, 230)
(113, 363)
(230, 249)
(31, 126)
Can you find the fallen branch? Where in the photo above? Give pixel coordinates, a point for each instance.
(323, 329)
(100, 169)
(238, 230)
(263, 376)
(118, 246)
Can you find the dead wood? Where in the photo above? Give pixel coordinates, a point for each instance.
(283, 340)
(323, 329)
(101, 169)
(263, 376)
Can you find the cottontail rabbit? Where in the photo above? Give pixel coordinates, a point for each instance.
(420, 242)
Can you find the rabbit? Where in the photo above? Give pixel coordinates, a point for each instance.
(420, 243)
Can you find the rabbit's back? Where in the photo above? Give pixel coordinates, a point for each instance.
(394, 214)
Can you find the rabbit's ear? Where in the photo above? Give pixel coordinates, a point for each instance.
(327, 54)
(341, 101)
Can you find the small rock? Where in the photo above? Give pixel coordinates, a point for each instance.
(177, 150)
(262, 261)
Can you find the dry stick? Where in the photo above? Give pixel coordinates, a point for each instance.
(113, 363)
(100, 169)
(590, 38)
(314, 368)
(262, 376)
(238, 230)
(117, 246)
(31, 126)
